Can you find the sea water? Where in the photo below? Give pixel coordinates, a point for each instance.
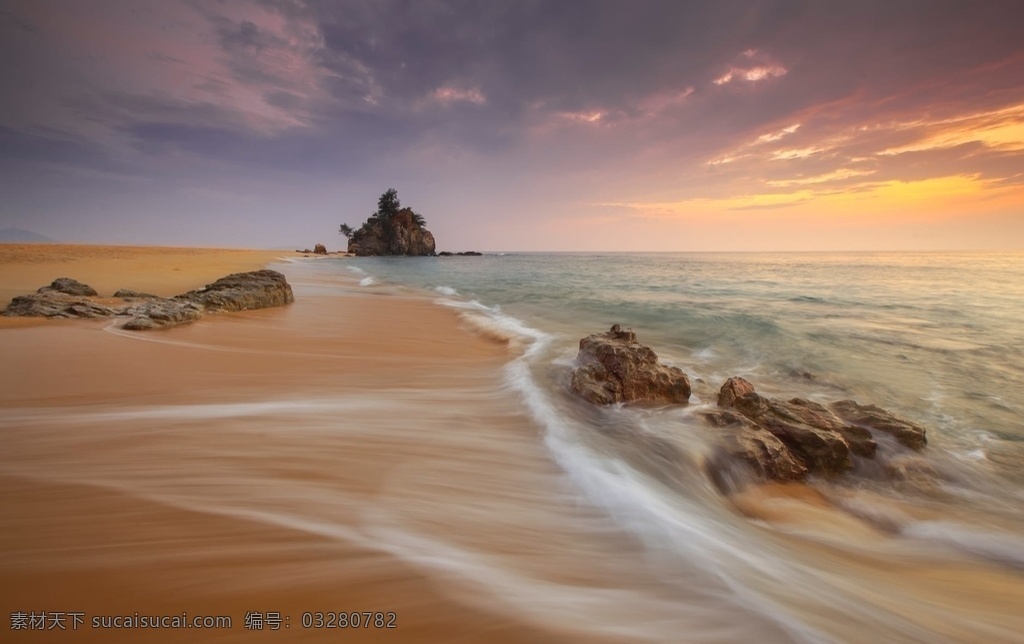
(934, 337)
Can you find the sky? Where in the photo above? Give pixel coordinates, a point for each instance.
(517, 125)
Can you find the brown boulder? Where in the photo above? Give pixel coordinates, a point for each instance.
(821, 439)
(732, 389)
(614, 367)
(242, 292)
(69, 286)
(872, 418)
(809, 434)
(54, 304)
(758, 452)
(319, 249)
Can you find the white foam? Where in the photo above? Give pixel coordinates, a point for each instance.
(1001, 548)
(446, 290)
(356, 270)
(366, 281)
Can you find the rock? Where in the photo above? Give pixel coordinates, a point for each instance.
(741, 443)
(732, 389)
(445, 253)
(237, 292)
(398, 235)
(128, 294)
(820, 438)
(69, 286)
(873, 418)
(55, 304)
(319, 249)
(162, 313)
(809, 434)
(243, 291)
(614, 367)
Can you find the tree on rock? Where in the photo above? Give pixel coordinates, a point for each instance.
(391, 230)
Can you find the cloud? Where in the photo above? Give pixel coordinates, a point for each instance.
(774, 102)
(448, 94)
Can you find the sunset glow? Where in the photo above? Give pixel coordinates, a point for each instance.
(193, 122)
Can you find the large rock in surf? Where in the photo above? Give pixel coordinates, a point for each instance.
(758, 451)
(614, 367)
(875, 419)
(820, 439)
(400, 234)
(242, 292)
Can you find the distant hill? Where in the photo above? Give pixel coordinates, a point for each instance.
(20, 236)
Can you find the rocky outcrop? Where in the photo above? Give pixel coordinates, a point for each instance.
(319, 249)
(160, 313)
(236, 292)
(62, 298)
(400, 234)
(465, 253)
(242, 292)
(128, 294)
(613, 367)
(872, 418)
(55, 304)
(69, 286)
(742, 443)
(819, 439)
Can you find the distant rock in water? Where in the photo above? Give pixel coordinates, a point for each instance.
(67, 298)
(466, 253)
(319, 249)
(399, 235)
(614, 367)
(391, 230)
(785, 440)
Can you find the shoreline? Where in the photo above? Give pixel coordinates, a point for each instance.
(115, 442)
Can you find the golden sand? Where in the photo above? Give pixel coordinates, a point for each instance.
(151, 269)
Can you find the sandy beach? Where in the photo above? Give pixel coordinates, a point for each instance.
(147, 507)
(159, 270)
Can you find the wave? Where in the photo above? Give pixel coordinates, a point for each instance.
(999, 548)
(446, 290)
(367, 281)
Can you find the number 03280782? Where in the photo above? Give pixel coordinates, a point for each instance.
(355, 619)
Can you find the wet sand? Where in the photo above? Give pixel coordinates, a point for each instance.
(135, 478)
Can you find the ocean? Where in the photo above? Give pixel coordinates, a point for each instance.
(934, 337)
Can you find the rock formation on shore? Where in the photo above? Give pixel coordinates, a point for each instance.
(786, 440)
(391, 230)
(67, 298)
(614, 367)
(767, 439)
